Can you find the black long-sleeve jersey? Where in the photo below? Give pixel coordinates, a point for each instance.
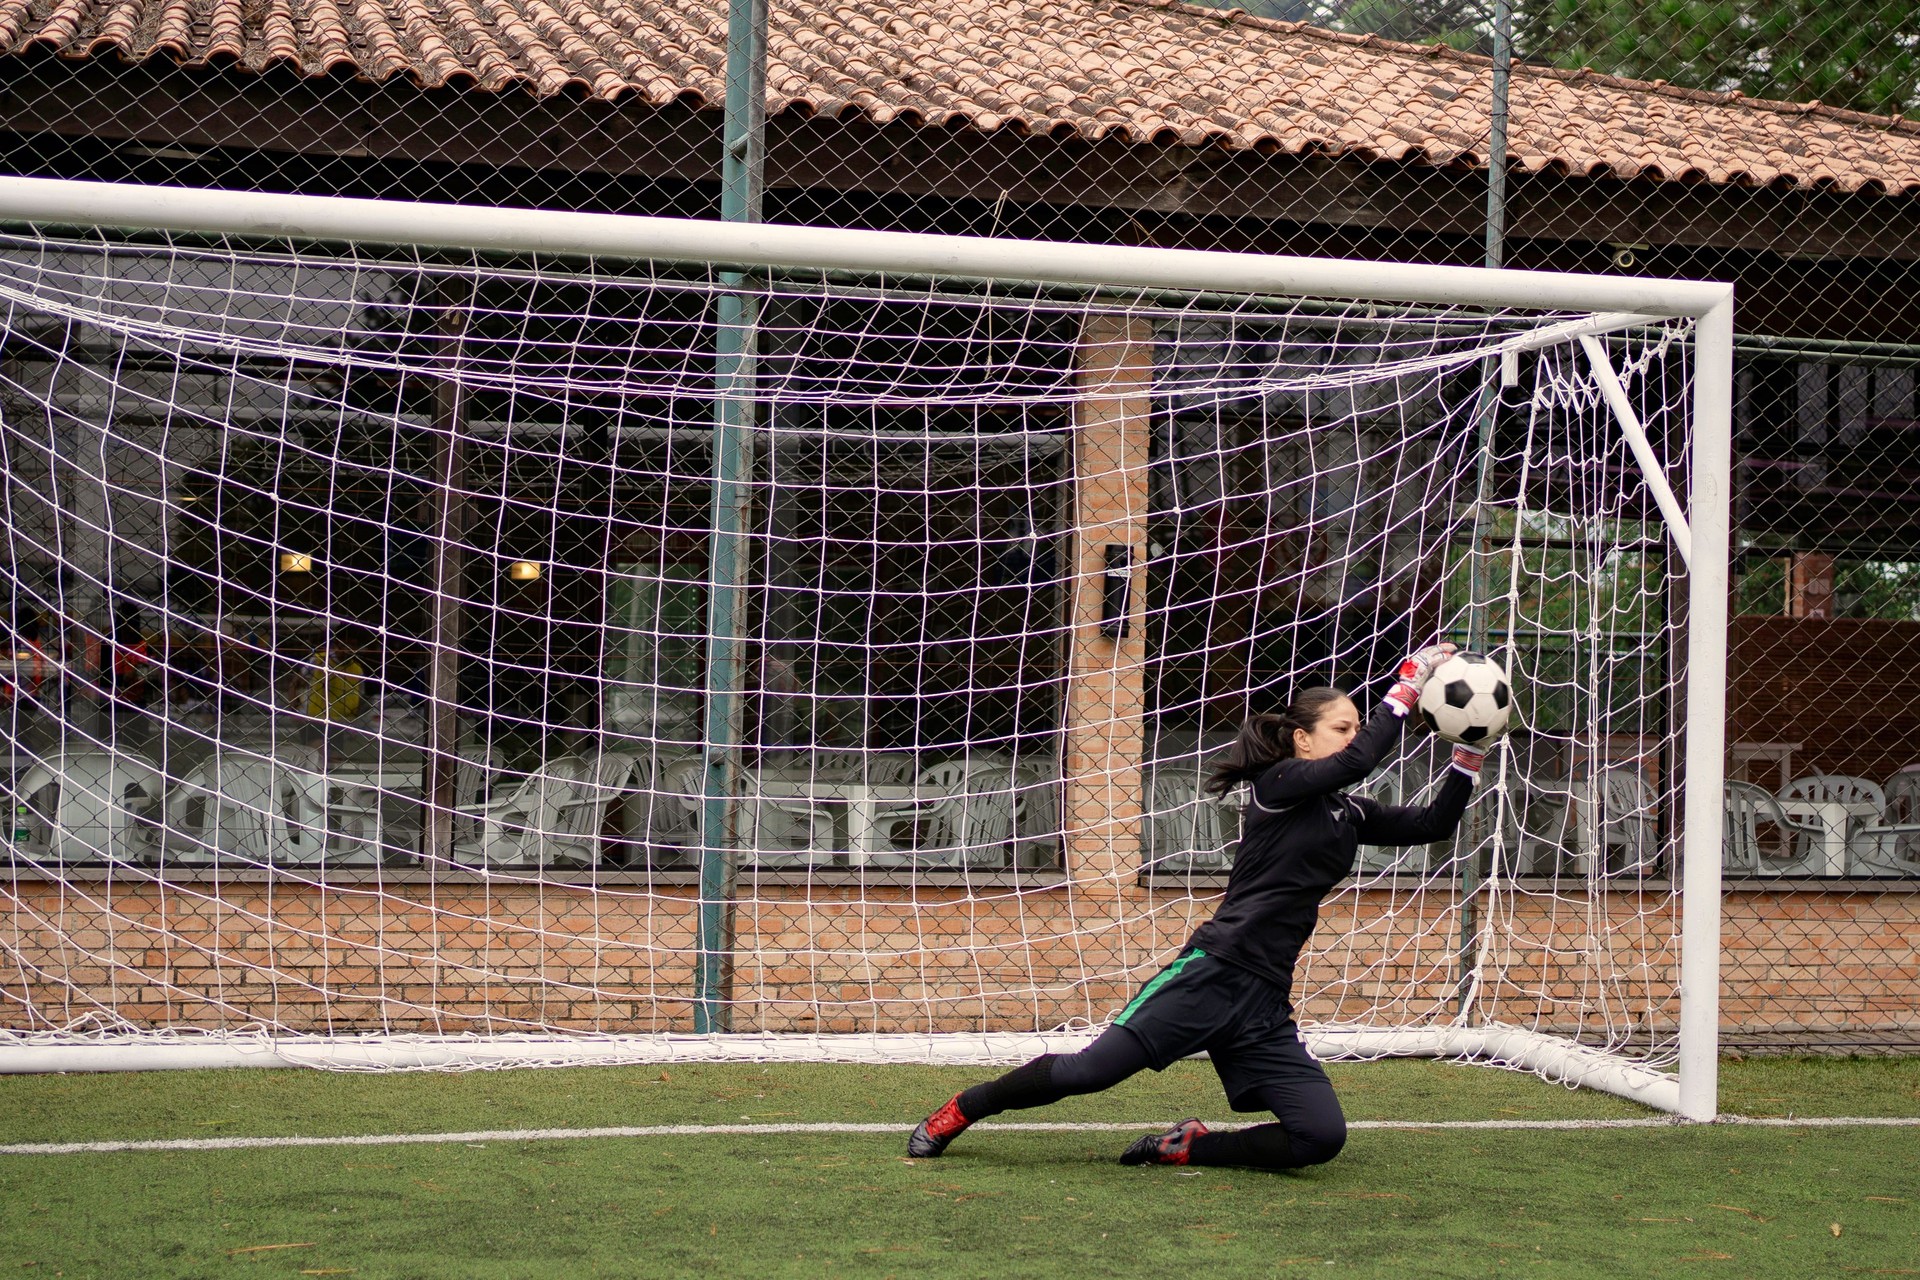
(1300, 838)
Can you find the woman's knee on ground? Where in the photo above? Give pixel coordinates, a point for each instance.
(1315, 1139)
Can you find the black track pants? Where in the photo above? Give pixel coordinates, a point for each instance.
(1050, 1077)
(1311, 1129)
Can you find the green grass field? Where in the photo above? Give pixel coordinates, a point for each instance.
(1723, 1200)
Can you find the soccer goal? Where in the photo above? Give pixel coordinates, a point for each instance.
(448, 636)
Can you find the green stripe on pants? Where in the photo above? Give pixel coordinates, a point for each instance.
(1160, 980)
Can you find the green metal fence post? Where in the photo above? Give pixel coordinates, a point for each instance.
(743, 148)
(1473, 872)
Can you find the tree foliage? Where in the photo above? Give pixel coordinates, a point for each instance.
(1464, 24)
(1860, 54)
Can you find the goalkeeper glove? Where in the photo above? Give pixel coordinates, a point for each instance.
(1469, 759)
(1413, 673)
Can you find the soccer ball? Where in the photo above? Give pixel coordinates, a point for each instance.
(1467, 699)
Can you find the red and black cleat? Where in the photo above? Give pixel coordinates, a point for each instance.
(931, 1136)
(1171, 1147)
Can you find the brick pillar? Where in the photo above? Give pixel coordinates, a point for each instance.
(1810, 585)
(1106, 676)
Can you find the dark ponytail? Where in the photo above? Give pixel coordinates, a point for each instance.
(1267, 739)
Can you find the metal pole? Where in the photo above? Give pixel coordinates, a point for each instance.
(60, 202)
(449, 522)
(743, 138)
(1651, 469)
(1706, 715)
(1497, 137)
(1473, 873)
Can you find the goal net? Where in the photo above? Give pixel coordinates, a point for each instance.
(452, 637)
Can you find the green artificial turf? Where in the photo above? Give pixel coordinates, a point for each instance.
(190, 1104)
(1821, 1087)
(1664, 1201)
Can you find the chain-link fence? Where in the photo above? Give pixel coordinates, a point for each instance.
(1771, 144)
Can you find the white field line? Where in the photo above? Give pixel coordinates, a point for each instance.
(707, 1130)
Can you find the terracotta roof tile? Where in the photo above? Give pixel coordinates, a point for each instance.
(1144, 71)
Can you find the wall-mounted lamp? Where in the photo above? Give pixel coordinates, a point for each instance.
(523, 571)
(1625, 257)
(1113, 591)
(295, 562)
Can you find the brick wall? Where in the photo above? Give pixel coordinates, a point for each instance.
(841, 958)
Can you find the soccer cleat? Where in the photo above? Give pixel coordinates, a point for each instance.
(931, 1136)
(1171, 1147)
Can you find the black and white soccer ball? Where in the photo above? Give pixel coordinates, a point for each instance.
(1467, 699)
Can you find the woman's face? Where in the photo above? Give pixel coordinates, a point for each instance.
(1331, 735)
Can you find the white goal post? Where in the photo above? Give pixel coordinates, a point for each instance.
(1038, 422)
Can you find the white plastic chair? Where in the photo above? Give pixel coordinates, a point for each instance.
(1602, 824)
(889, 768)
(88, 806)
(1759, 839)
(556, 816)
(1903, 804)
(672, 822)
(785, 829)
(1621, 828)
(969, 823)
(404, 799)
(831, 763)
(1835, 788)
(1890, 846)
(236, 807)
(1038, 838)
(476, 770)
(784, 826)
(1186, 829)
(1545, 817)
(779, 825)
(1857, 794)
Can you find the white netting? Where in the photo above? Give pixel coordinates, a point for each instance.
(369, 675)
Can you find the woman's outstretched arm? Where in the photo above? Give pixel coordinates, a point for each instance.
(1400, 824)
(1289, 782)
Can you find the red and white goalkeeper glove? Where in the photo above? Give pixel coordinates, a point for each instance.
(1413, 673)
(1469, 759)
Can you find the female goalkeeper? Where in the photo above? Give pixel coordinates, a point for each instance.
(1229, 991)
